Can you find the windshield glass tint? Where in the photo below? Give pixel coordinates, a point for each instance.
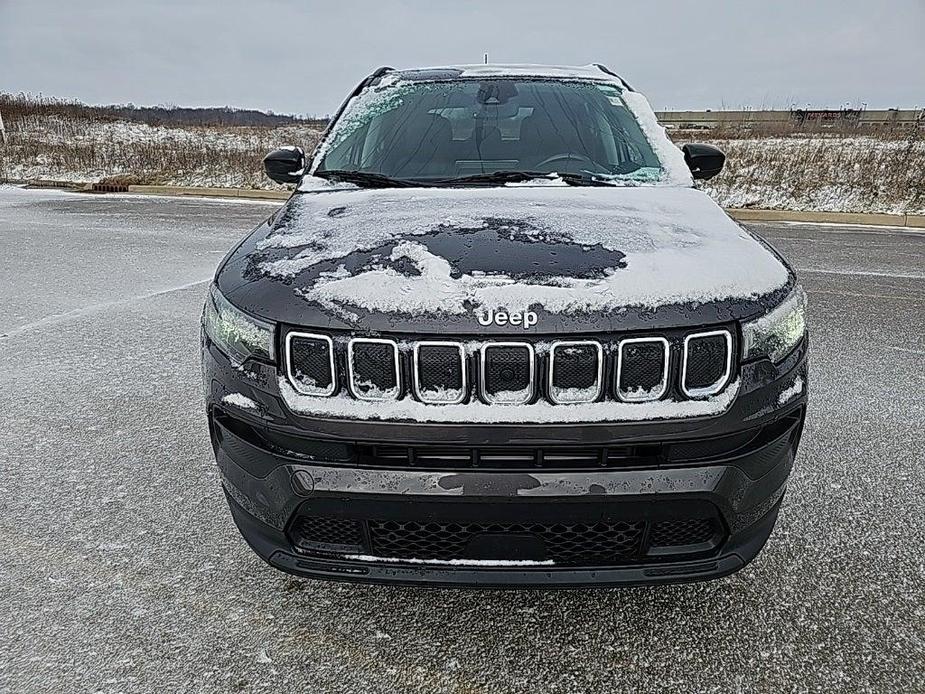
(456, 128)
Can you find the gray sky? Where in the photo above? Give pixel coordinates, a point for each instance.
(303, 56)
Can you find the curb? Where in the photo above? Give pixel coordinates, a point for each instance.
(742, 214)
(867, 218)
(212, 192)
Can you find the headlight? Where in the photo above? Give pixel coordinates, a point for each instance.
(775, 334)
(238, 335)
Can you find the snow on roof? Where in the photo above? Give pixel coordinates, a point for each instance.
(478, 71)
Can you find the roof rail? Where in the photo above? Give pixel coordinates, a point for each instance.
(607, 70)
(379, 72)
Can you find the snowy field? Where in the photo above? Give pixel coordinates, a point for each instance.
(825, 171)
(85, 150)
(122, 570)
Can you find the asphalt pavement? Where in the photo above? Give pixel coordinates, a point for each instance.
(122, 571)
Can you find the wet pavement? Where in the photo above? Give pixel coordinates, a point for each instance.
(122, 570)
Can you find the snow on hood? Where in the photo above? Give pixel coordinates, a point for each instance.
(455, 251)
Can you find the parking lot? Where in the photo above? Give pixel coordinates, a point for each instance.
(123, 572)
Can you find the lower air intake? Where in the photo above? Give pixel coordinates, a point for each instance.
(310, 363)
(507, 372)
(606, 542)
(374, 369)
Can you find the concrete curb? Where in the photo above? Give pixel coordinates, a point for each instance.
(212, 192)
(869, 218)
(746, 214)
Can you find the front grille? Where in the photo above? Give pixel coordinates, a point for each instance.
(507, 372)
(373, 368)
(707, 363)
(642, 369)
(690, 531)
(324, 534)
(676, 365)
(439, 372)
(575, 372)
(310, 360)
(510, 457)
(603, 542)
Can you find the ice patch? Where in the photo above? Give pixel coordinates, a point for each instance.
(576, 395)
(790, 393)
(669, 154)
(239, 400)
(346, 407)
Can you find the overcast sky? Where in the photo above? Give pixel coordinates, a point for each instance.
(302, 56)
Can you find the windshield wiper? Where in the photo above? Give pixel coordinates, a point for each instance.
(573, 179)
(493, 177)
(365, 179)
(584, 179)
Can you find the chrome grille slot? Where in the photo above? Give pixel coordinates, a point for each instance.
(575, 371)
(507, 374)
(373, 368)
(642, 369)
(310, 363)
(707, 363)
(439, 372)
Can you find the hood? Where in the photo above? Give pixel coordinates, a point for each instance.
(450, 260)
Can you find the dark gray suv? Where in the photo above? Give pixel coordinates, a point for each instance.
(497, 337)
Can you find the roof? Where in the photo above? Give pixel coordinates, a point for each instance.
(595, 72)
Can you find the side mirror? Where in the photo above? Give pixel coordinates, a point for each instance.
(704, 161)
(285, 165)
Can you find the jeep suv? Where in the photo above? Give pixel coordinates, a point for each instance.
(497, 337)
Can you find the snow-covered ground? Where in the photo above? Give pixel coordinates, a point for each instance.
(825, 172)
(81, 150)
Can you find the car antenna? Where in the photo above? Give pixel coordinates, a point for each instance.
(486, 58)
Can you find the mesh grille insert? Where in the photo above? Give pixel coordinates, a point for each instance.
(374, 369)
(575, 372)
(311, 364)
(641, 371)
(440, 372)
(690, 531)
(572, 542)
(321, 533)
(706, 363)
(605, 542)
(507, 373)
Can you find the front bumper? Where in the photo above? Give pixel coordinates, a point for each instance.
(740, 491)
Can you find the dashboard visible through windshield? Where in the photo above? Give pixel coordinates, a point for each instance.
(469, 129)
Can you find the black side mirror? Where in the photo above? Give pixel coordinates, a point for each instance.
(704, 161)
(285, 165)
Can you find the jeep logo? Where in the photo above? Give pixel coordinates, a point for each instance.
(526, 320)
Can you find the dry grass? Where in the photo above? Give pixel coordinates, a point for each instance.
(67, 141)
(786, 168)
(831, 171)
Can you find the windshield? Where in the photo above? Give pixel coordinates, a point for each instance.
(453, 129)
